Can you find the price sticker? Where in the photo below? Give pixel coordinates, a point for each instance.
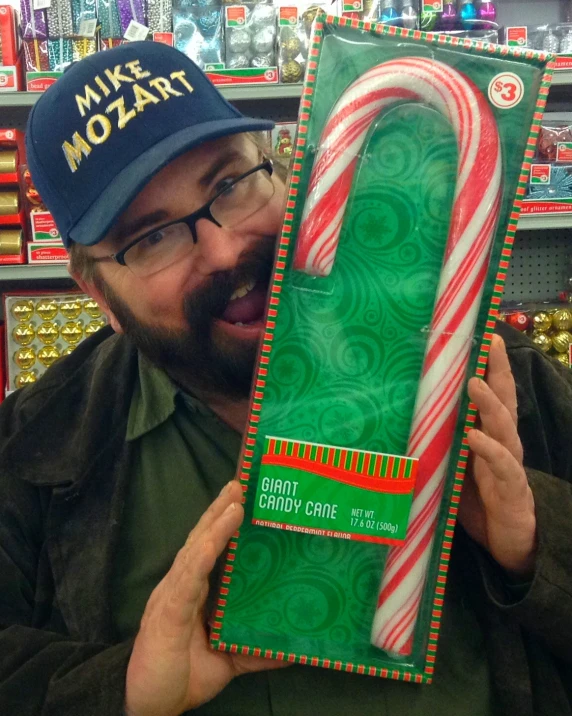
(136, 32)
(506, 90)
(87, 28)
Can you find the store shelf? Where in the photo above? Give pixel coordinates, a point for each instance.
(549, 221)
(24, 272)
(234, 94)
(562, 77)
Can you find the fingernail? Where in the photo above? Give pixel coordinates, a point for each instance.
(230, 509)
(226, 487)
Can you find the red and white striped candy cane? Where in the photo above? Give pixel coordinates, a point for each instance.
(473, 223)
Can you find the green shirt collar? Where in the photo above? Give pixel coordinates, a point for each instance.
(154, 400)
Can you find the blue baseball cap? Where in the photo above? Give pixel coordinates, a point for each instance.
(111, 122)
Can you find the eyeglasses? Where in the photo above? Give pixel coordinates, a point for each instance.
(240, 199)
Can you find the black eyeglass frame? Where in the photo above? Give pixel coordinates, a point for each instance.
(204, 212)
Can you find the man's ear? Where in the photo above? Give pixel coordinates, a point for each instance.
(94, 292)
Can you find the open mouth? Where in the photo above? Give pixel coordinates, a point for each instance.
(247, 305)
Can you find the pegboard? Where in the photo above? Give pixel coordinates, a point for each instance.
(538, 268)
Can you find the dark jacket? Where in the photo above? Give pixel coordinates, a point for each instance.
(63, 480)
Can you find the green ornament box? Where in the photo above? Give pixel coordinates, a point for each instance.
(328, 483)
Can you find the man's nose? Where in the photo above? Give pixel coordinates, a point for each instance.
(218, 249)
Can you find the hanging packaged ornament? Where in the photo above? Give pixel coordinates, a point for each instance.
(389, 12)
(409, 15)
(488, 13)
(551, 43)
(448, 18)
(468, 14)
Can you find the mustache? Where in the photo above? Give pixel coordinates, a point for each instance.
(210, 300)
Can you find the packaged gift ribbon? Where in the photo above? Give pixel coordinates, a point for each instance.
(33, 22)
(160, 15)
(108, 15)
(401, 202)
(60, 22)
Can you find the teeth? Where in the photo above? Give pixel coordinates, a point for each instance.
(241, 291)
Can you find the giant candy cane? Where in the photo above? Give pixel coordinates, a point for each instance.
(473, 223)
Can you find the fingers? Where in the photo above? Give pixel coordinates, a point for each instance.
(496, 418)
(500, 378)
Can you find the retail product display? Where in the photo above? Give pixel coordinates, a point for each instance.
(42, 327)
(355, 445)
(549, 326)
(282, 140)
(12, 217)
(293, 36)
(45, 245)
(250, 36)
(10, 65)
(199, 32)
(555, 38)
(550, 183)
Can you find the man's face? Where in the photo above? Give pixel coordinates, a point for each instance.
(201, 318)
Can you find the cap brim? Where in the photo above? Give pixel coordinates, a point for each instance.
(118, 195)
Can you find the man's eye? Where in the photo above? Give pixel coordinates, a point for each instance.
(225, 185)
(154, 239)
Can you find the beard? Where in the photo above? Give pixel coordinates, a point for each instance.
(194, 356)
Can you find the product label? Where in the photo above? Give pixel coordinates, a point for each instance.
(564, 152)
(564, 62)
(334, 491)
(87, 28)
(530, 207)
(516, 36)
(235, 16)
(44, 227)
(40, 81)
(355, 6)
(7, 135)
(8, 79)
(506, 90)
(47, 254)
(433, 6)
(167, 38)
(540, 174)
(214, 67)
(42, 4)
(136, 32)
(288, 16)
(248, 76)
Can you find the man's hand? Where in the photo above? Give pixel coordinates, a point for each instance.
(172, 668)
(497, 506)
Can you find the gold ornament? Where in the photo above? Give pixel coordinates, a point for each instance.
(308, 17)
(291, 72)
(24, 378)
(563, 358)
(290, 47)
(47, 309)
(25, 358)
(561, 341)
(502, 317)
(543, 341)
(48, 355)
(562, 319)
(72, 332)
(22, 310)
(93, 326)
(24, 334)
(48, 332)
(91, 308)
(68, 350)
(71, 309)
(542, 321)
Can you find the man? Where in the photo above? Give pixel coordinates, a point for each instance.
(110, 523)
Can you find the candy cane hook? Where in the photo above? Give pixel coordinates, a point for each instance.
(474, 218)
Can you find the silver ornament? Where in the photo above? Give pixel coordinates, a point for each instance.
(566, 43)
(239, 41)
(209, 21)
(409, 17)
(551, 43)
(263, 41)
(237, 62)
(262, 60)
(262, 16)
